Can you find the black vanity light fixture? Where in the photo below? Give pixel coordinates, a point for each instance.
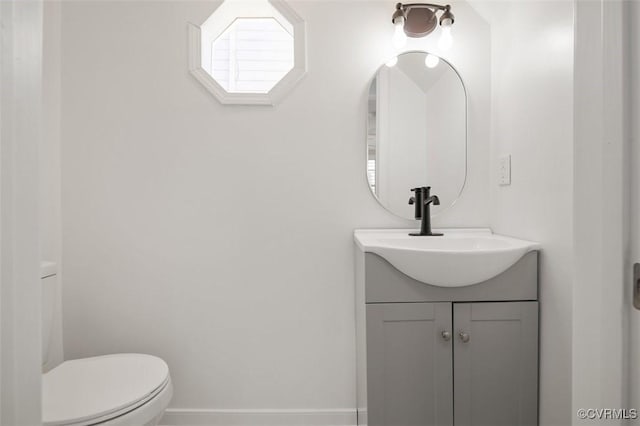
(420, 19)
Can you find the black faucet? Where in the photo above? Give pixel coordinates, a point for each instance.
(422, 201)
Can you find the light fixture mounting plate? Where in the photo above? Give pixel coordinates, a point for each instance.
(420, 21)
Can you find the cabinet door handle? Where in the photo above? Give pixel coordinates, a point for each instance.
(464, 336)
(446, 336)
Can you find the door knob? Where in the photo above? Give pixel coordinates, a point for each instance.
(464, 336)
(446, 336)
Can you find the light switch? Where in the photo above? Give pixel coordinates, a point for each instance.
(504, 170)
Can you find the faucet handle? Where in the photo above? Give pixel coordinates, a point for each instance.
(412, 200)
(421, 190)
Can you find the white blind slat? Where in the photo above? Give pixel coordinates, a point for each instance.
(252, 55)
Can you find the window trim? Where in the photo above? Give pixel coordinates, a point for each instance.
(280, 90)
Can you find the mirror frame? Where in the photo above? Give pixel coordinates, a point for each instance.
(466, 137)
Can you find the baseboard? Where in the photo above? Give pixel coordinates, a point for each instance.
(213, 417)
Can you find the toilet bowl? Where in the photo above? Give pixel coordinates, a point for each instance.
(118, 389)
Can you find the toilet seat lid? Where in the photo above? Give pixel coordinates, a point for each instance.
(79, 390)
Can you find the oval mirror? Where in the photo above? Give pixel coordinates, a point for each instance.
(416, 132)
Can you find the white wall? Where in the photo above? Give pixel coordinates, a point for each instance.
(49, 184)
(220, 238)
(532, 102)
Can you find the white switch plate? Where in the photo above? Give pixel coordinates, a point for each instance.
(504, 170)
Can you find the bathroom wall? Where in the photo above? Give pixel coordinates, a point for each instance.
(49, 177)
(532, 120)
(50, 144)
(220, 238)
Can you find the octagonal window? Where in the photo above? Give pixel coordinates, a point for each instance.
(252, 55)
(249, 52)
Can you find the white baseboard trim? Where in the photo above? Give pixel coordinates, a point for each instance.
(221, 417)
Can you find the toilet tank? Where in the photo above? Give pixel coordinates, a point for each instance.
(48, 277)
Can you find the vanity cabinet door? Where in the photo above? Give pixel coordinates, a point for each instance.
(496, 363)
(409, 365)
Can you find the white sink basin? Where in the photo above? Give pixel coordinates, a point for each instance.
(461, 257)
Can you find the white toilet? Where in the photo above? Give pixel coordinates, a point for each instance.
(119, 389)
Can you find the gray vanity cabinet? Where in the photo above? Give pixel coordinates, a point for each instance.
(447, 356)
(409, 364)
(424, 359)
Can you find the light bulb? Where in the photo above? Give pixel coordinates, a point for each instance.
(392, 62)
(399, 37)
(446, 40)
(431, 61)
